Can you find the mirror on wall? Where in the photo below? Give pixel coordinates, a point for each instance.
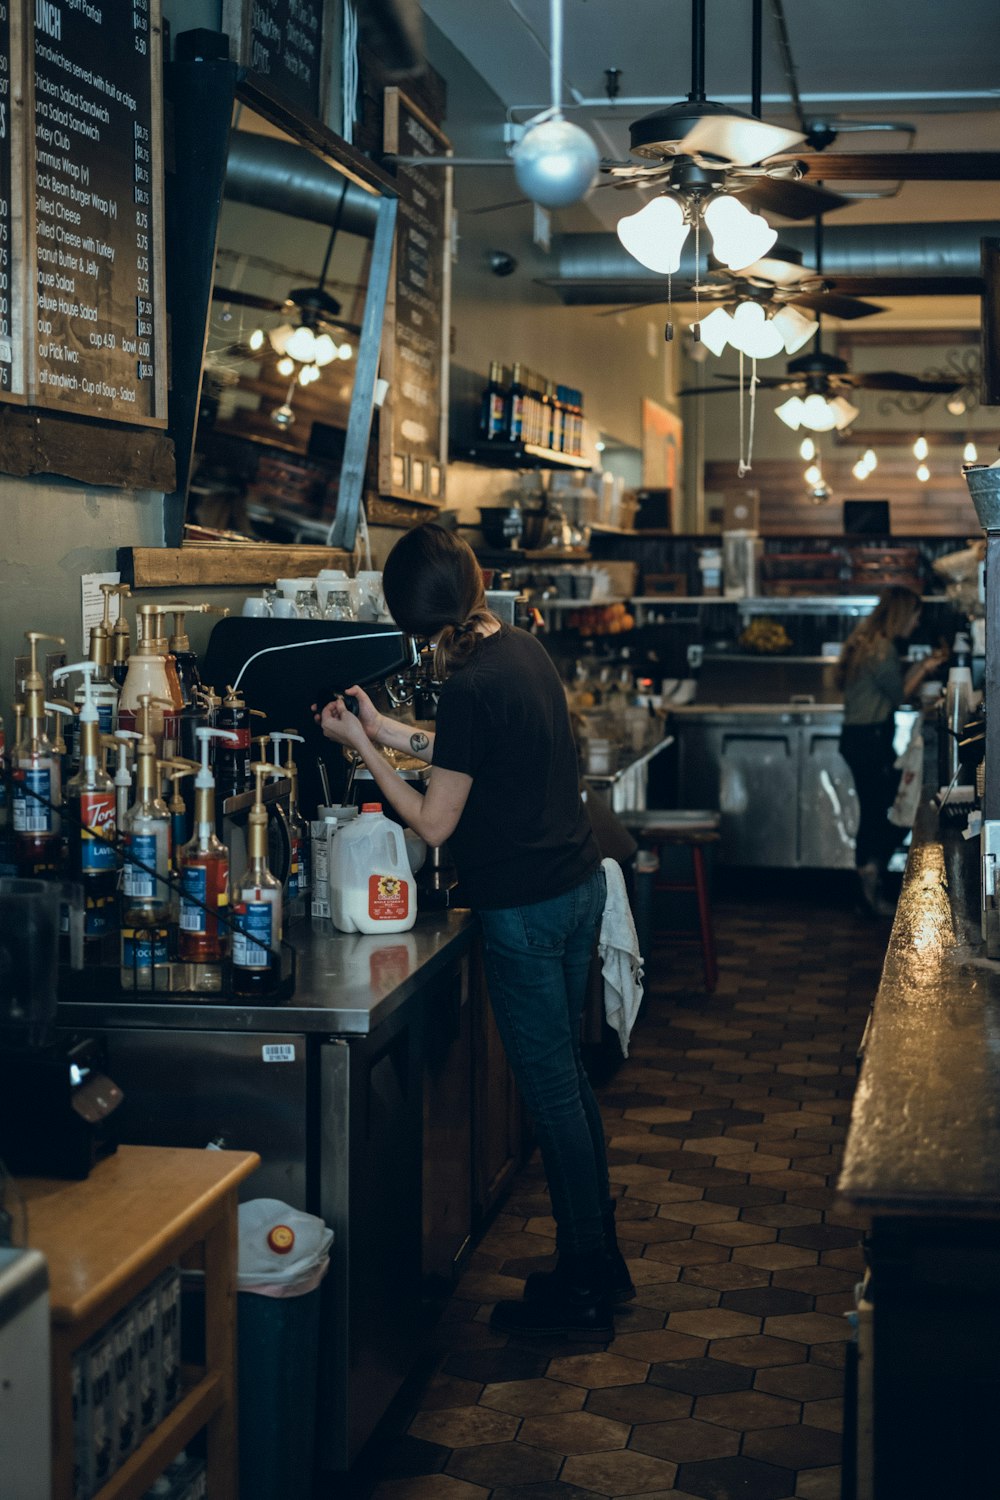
(293, 271)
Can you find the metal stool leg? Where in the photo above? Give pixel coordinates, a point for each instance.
(705, 919)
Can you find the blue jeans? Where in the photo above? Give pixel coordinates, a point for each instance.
(537, 962)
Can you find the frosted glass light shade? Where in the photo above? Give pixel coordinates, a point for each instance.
(813, 474)
(738, 236)
(790, 412)
(795, 328)
(817, 414)
(844, 412)
(807, 449)
(302, 344)
(655, 235)
(860, 469)
(325, 350)
(279, 337)
(715, 330)
(920, 448)
(870, 459)
(256, 340)
(970, 453)
(923, 473)
(752, 334)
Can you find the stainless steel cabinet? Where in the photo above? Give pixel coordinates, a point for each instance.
(786, 797)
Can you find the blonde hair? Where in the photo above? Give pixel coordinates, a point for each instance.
(890, 618)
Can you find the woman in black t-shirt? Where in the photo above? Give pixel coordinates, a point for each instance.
(504, 790)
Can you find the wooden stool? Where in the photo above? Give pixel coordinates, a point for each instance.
(657, 829)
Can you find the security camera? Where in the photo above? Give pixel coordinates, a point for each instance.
(502, 264)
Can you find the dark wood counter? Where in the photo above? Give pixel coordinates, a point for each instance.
(923, 1159)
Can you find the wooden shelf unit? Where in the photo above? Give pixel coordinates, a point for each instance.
(106, 1239)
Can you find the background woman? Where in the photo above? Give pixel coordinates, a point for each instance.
(874, 681)
(504, 791)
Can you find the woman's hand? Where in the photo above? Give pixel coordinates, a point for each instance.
(340, 725)
(368, 714)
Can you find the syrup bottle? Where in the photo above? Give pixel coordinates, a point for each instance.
(204, 870)
(37, 791)
(257, 907)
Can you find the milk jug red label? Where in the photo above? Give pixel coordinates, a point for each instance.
(388, 898)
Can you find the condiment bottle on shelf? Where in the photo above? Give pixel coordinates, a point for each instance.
(515, 407)
(257, 907)
(121, 641)
(104, 691)
(203, 937)
(299, 882)
(493, 409)
(123, 773)
(91, 824)
(187, 670)
(232, 756)
(174, 771)
(37, 780)
(152, 673)
(145, 892)
(60, 709)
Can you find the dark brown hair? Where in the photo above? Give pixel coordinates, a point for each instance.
(434, 587)
(890, 617)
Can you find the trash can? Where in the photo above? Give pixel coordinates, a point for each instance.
(283, 1257)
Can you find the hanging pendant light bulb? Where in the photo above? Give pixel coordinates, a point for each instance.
(286, 367)
(920, 448)
(923, 473)
(807, 449)
(870, 459)
(655, 235)
(256, 340)
(956, 404)
(813, 475)
(555, 162)
(970, 453)
(860, 469)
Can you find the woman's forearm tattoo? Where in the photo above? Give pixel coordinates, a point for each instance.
(418, 741)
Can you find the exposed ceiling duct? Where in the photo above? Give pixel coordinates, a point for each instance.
(592, 269)
(274, 174)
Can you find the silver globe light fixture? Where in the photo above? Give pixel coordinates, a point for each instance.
(555, 163)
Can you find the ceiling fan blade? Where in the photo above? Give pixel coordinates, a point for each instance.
(792, 200)
(765, 382)
(907, 286)
(245, 299)
(836, 305)
(738, 139)
(895, 380)
(900, 166)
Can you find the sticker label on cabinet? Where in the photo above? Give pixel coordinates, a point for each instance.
(278, 1052)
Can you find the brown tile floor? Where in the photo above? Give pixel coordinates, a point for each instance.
(724, 1378)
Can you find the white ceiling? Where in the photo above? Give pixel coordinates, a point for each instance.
(922, 62)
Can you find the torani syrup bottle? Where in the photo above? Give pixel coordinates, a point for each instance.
(91, 825)
(257, 907)
(37, 780)
(203, 937)
(145, 892)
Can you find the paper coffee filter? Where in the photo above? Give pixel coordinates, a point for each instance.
(278, 1242)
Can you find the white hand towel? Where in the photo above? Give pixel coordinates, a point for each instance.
(621, 961)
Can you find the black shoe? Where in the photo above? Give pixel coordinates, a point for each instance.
(575, 1303)
(620, 1285)
(621, 1288)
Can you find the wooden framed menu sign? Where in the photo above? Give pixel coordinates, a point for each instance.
(281, 42)
(413, 426)
(82, 306)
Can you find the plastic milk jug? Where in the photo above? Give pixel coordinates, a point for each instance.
(371, 887)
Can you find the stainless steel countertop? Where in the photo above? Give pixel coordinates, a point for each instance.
(347, 983)
(757, 710)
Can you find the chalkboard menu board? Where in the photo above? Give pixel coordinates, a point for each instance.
(11, 215)
(412, 427)
(83, 330)
(281, 42)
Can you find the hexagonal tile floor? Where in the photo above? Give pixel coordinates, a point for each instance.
(725, 1375)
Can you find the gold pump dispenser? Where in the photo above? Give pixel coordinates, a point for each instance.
(37, 777)
(153, 672)
(146, 895)
(257, 906)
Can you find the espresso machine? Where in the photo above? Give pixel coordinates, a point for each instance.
(56, 1103)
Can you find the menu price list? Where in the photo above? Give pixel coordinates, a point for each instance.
(11, 381)
(284, 44)
(94, 209)
(418, 329)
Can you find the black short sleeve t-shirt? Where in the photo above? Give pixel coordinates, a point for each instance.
(524, 834)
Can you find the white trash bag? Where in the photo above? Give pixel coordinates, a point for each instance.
(910, 764)
(282, 1251)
